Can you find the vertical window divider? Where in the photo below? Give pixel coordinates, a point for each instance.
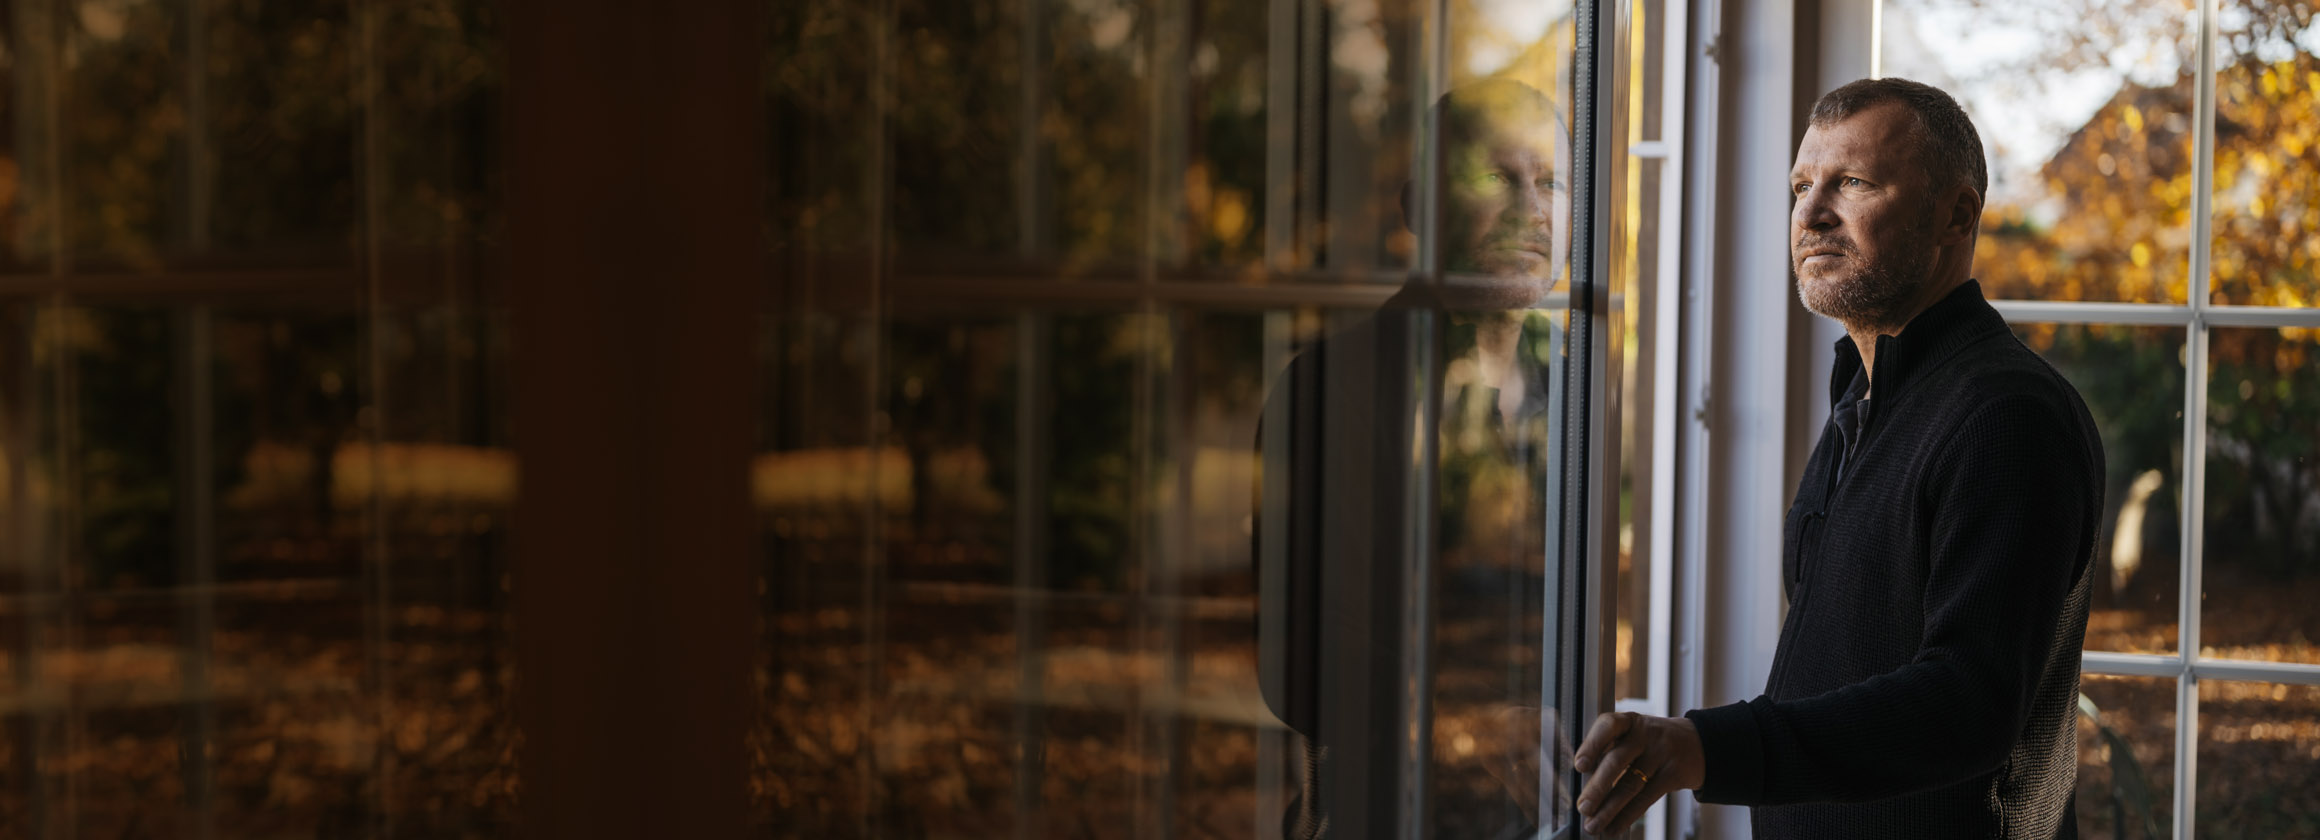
(62, 724)
(1033, 337)
(2195, 430)
(377, 562)
(1587, 590)
(1154, 625)
(880, 178)
(194, 428)
(1282, 25)
(1419, 549)
(1280, 210)
(1667, 337)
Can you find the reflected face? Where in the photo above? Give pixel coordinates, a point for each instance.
(1504, 207)
(1862, 233)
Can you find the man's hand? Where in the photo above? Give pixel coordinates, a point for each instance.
(1635, 759)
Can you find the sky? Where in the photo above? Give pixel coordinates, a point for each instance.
(1948, 44)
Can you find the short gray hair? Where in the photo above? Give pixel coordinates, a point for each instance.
(1946, 138)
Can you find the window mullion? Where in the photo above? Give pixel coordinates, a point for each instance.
(2195, 431)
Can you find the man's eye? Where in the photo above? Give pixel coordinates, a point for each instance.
(1800, 187)
(1489, 181)
(1855, 182)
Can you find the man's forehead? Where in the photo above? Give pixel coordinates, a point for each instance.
(1507, 134)
(1876, 136)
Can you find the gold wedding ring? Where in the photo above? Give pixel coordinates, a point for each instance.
(1639, 774)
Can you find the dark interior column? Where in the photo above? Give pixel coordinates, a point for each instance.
(633, 204)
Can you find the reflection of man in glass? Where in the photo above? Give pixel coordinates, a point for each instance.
(1408, 502)
(1936, 558)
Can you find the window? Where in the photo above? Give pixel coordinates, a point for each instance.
(1056, 505)
(2152, 231)
(1048, 281)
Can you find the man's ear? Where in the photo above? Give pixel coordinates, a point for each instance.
(1406, 217)
(1965, 215)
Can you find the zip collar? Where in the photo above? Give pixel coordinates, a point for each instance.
(1960, 319)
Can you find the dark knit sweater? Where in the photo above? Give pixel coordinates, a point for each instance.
(1927, 674)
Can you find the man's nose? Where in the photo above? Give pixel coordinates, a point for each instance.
(1536, 204)
(1812, 211)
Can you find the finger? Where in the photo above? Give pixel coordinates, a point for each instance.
(1607, 730)
(1623, 790)
(1641, 803)
(1607, 776)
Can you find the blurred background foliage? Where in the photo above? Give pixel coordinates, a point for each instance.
(255, 490)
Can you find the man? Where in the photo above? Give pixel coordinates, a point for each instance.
(1937, 555)
(1407, 504)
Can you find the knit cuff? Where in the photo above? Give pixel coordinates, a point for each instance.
(1734, 752)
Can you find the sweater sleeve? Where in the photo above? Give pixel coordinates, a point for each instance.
(2007, 497)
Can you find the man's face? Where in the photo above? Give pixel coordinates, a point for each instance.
(1862, 232)
(1503, 206)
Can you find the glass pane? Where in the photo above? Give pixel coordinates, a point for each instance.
(970, 121)
(2085, 112)
(208, 132)
(2263, 479)
(2126, 758)
(2132, 381)
(443, 473)
(123, 455)
(2267, 158)
(823, 755)
(1094, 90)
(286, 397)
(2258, 743)
(128, 129)
(1047, 555)
(272, 136)
(1633, 338)
(1021, 136)
(1633, 347)
(24, 228)
(1349, 225)
(253, 517)
(1225, 174)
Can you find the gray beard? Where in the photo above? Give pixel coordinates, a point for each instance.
(1874, 296)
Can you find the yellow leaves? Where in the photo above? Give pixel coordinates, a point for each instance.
(2173, 193)
(2179, 287)
(2289, 355)
(2141, 254)
(2284, 296)
(1221, 209)
(1231, 219)
(2134, 118)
